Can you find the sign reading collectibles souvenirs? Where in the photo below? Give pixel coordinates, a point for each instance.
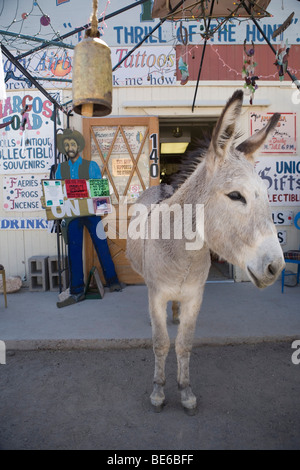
(59, 201)
(26, 149)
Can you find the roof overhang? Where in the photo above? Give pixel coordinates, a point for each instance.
(192, 9)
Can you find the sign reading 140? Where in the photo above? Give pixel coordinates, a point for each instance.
(154, 170)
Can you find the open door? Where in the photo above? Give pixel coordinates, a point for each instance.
(127, 152)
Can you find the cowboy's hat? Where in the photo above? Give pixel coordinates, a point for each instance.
(70, 134)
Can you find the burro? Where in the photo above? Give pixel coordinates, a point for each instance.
(168, 221)
(218, 177)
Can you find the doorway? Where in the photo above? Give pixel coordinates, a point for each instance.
(126, 151)
(176, 136)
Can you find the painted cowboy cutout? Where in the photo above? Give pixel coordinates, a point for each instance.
(71, 143)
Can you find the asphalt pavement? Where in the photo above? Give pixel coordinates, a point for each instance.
(80, 377)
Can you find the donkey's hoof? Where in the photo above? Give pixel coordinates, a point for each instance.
(157, 398)
(188, 401)
(157, 403)
(190, 411)
(157, 408)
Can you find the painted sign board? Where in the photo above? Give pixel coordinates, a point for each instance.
(281, 176)
(23, 223)
(76, 203)
(99, 187)
(281, 234)
(148, 66)
(283, 217)
(283, 140)
(30, 150)
(76, 188)
(131, 26)
(153, 63)
(22, 192)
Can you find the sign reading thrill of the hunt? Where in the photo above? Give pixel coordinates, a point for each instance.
(283, 139)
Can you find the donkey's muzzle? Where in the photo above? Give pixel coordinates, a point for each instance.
(266, 272)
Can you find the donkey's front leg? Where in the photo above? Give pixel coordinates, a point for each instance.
(183, 347)
(161, 345)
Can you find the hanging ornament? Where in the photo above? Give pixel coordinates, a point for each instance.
(283, 50)
(24, 16)
(182, 65)
(92, 73)
(45, 20)
(183, 68)
(251, 86)
(281, 62)
(249, 65)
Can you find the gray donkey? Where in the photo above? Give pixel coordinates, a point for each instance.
(237, 226)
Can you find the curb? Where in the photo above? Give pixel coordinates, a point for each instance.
(110, 344)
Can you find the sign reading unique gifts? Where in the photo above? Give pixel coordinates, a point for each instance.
(281, 176)
(283, 139)
(76, 189)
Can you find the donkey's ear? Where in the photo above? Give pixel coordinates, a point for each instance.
(253, 143)
(226, 128)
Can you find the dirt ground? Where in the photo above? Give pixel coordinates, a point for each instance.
(248, 399)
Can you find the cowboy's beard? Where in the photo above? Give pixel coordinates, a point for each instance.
(71, 154)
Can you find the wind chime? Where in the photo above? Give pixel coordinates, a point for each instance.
(249, 65)
(92, 73)
(183, 59)
(183, 63)
(282, 53)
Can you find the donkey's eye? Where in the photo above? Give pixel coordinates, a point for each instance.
(236, 196)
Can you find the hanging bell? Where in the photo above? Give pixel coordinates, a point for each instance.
(92, 76)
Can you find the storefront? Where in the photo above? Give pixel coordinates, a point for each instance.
(153, 104)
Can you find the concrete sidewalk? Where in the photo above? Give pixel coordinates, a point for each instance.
(231, 313)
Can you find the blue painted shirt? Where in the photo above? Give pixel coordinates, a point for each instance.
(94, 170)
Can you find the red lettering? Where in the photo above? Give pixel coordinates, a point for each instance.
(121, 51)
(47, 109)
(7, 108)
(24, 102)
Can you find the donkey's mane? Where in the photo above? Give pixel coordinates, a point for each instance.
(190, 160)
